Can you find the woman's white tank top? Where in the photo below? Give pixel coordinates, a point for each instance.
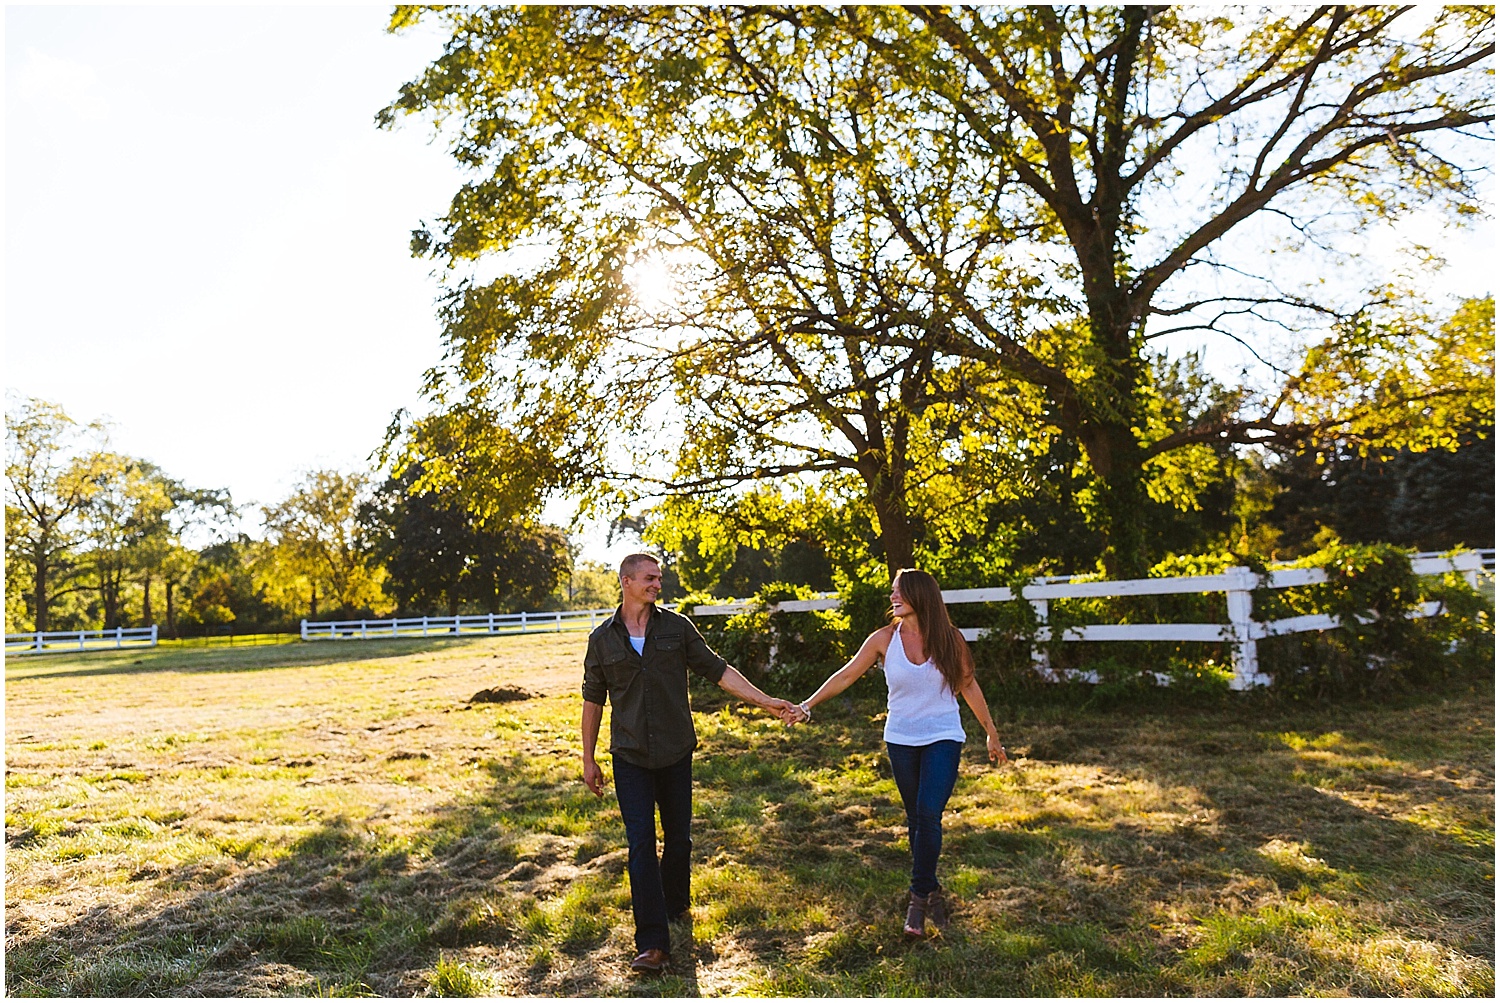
(920, 707)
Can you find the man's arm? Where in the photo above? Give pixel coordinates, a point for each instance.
(737, 685)
(595, 692)
(593, 776)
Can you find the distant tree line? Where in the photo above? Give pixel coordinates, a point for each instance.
(98, 539)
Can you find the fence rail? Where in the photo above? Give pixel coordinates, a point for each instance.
(1237, 584)
(58, 641)
(481, 624)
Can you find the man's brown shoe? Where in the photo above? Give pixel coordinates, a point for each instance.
(652, 961)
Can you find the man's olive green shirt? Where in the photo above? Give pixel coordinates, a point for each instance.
(651, 724)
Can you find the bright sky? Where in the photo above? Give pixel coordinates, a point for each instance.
(206, 236)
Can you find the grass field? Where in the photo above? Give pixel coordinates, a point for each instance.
(335, 819)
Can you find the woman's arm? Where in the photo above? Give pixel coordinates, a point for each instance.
(974, 697)
(857, 666)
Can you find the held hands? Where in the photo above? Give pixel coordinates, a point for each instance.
(789, 712)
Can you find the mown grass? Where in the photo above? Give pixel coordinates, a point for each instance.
(335, 819)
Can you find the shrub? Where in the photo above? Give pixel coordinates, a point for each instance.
(867, 606)
(1377, 646)
(784, 652)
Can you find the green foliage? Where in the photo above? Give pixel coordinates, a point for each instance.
(867, 607)
(785, 652)
(51, 465)
(1430, 500)
(90, 532)
(1377, 647)
(437, 555)
(588, 585)
(842, 197)
(1003, 653)
(319, 550)
(733, 544)
(455, 979)
(1395, 377)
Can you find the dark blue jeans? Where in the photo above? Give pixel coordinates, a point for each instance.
(925, 775)
(659, 891)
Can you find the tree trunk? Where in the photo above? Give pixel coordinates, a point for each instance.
(146, 601)
(171, 619)
(896, 537)
(109, 596)
(312, 611)
(1115, 456)
(39, 592)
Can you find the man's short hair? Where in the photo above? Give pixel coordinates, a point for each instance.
(632, 564)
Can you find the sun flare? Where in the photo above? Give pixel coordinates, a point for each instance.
(654, 281)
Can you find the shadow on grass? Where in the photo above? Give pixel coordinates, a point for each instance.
(801, 864)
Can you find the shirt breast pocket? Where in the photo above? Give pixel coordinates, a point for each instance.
(620, 673)
(669, 646)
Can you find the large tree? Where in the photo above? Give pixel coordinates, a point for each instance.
(439, 555)
(52, 466)
(315, 537)
(916, 241)
(132, 522)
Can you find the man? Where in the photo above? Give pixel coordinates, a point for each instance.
(639, 660)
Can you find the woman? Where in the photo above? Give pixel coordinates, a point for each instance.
(927, 662)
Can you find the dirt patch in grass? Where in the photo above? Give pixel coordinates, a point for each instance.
(500, 694)
(348, 821)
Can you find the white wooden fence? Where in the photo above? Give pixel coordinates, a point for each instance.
(1236, 583)
(449, 626)
(54, 641)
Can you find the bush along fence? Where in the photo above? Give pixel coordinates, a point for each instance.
(1345, 607)
(1360, 600)
(55, 641)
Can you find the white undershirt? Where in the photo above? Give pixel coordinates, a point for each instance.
(639, 644)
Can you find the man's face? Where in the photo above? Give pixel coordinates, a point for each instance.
(644, 585)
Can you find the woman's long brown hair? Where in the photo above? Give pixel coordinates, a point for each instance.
(942, 640)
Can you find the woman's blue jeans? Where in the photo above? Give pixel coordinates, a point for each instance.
(925, 775)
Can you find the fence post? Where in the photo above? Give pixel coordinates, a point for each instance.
(119, 637)
(153, 635)
(304, 630)
(80, 640)
(492, 623)
(1241, 606)
(1041, 662)
(523, 621)
(559, 621)
(39, 645)
(424, 626)
(362, 634)
(591, 621)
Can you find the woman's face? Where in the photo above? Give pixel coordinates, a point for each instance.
(898, 605)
